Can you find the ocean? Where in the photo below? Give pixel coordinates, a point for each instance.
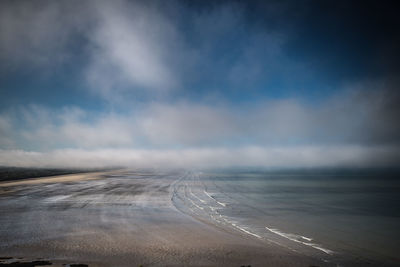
(346, 218)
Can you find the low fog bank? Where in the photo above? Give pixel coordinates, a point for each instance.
(267, 157)
(350, 118)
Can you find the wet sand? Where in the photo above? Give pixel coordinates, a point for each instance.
(55, 179)
(121, 218)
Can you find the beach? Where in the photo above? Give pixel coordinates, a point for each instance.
(123, 218)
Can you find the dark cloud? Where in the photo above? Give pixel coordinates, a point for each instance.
(40, 33)
(347, 40)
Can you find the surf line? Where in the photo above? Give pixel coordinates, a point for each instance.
(232, 223)
(194, 204)
(244, 230)
(202, 201)
(222, 204)
(290, 237)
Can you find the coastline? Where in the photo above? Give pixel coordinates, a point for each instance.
(55, 179)
(125, 219)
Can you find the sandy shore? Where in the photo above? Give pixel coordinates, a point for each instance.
(55, 179)
(121, 219)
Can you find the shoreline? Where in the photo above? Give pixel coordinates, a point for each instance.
(55, 178)
(122, 219)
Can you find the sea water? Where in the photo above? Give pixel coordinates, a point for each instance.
(343, 217)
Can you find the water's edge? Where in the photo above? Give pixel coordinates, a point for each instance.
(192, 196)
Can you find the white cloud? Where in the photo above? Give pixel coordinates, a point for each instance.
(274, 126)
(73, 127)
(139, 48)
(131, 47)
(34, 34)
(186, 124)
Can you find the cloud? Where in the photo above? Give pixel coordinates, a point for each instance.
(360, 120)
(186, 124)
(6, 132)
(351, 117)
(173, 53)
(36, 34)
(128, 44)
(126, 50)
(43, 128)
(131, 47)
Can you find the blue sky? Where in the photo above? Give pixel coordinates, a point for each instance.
(199, 83)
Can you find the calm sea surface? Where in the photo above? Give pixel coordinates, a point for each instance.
(341, 217)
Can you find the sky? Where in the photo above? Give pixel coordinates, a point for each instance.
(198, 84)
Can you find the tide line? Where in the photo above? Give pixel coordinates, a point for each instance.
(293, 238)
(220, 203)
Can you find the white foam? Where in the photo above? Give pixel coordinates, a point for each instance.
(297, 238)
(327, 251)
(205, 192)
(220, 203)
(306, 238)
(234, 224)
(194, 204)
(202, 201)
(244, 230)
(56, 198)
(213, 208)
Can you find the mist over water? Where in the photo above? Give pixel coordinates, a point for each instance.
(340, 217)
